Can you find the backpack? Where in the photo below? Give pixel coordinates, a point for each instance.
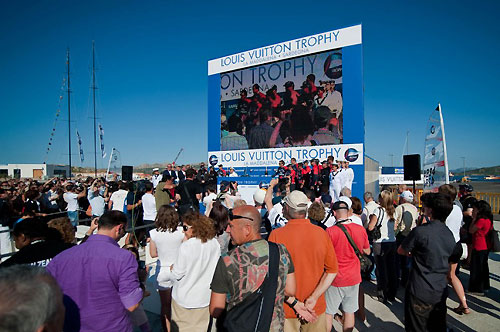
(494, 236)
(255, 312)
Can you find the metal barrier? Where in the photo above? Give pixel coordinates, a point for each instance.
(492, 198)
(128, 230)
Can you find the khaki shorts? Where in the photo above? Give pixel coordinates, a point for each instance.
(184, 319)
(294, 325)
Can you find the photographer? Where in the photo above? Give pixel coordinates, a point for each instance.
(96, 194)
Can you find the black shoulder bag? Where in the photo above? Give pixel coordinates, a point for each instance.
(255, 312)
(375, 233)
(366, 263)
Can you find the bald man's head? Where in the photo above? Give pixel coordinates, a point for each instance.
(249, 212)
(244, 224)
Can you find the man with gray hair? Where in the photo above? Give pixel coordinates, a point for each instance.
(369, 209)
(30, 300)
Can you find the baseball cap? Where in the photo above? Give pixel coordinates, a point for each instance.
(258, 196)
(346, 200)
(323, 112)
(297, 200)
(467, 187)
(407, 196)
(340, 205)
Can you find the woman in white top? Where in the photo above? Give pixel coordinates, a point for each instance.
(165, 242)
(384, 248)
(192, 273)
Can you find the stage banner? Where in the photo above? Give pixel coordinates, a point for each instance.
(285, 50)
(271, 157)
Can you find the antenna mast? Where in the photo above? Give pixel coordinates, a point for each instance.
(69, 114)
(94, 87)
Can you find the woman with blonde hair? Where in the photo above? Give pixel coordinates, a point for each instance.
(382, 231)
(192, 274)
(165, 242)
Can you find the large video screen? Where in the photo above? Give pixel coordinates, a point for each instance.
(290, 103)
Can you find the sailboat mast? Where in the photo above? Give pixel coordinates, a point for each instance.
(69, 114)
(446, 170)
(94, 87)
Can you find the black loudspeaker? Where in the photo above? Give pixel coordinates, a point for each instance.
(411, 164)
(127, 173)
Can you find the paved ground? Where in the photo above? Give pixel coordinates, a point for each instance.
(485, 314)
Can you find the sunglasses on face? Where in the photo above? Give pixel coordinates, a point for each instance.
(186, 227)
(233, 216)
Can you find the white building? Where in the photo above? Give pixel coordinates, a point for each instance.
(34, 171)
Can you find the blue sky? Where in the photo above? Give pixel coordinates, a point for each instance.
(152, 72)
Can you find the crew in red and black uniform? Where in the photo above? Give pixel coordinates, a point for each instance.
(221, 172)
(310, 79)
(306, 98)
(273, 98)
(281, 172)
(258, 98)
(244, 103)
(291, 96)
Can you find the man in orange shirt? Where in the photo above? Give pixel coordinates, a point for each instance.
(314, 260)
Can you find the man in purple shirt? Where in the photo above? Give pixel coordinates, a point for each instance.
(99, 279)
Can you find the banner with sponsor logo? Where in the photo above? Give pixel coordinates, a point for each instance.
(301, 99)
(435, 158)
(271, 157)
(289, 49)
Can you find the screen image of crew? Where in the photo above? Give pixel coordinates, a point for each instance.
(303, 107)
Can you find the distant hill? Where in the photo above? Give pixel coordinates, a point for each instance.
(483, 171)
(143, 168)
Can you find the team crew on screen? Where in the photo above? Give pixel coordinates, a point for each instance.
(307, 117)
(231, 277)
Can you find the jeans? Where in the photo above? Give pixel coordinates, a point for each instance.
(73, 217)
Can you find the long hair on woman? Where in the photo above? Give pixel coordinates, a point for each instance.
(167, 219)
(219, 215)
(385, 200)
(483, 210)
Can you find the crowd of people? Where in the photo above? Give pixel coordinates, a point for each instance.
(312, 116)
(294, 260)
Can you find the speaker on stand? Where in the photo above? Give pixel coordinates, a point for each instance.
(412, 172)
(127, 173)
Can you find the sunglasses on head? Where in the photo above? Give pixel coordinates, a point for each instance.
(233, 216)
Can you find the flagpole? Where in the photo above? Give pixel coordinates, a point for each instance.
(109, 163)
(447, 175)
